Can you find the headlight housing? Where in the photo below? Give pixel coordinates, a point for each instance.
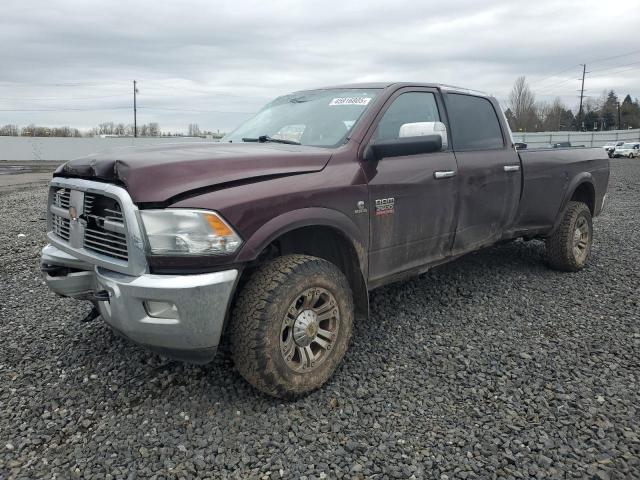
(177, 231)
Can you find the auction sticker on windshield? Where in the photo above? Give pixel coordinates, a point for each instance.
(350, 101)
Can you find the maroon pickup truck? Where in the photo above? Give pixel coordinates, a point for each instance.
(274, 236)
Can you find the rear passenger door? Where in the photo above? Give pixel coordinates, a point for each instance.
(489, 176)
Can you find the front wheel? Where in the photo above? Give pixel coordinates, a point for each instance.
(569, 247)
(291, 325)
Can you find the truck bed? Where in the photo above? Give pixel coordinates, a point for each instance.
(549, 178)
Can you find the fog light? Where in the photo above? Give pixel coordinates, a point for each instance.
(158, 309)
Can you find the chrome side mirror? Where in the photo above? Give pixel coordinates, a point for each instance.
(421, 129)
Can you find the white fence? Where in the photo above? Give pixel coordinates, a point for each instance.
(587, 139)
(48, 148)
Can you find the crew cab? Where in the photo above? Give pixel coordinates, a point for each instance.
(272, 239)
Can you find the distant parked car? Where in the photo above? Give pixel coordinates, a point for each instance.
(627, 150)
(561, 145)
(611, 146)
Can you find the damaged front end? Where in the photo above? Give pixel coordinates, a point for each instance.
(96, 253)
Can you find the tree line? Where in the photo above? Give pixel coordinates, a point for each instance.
(120, 129)
(105, 128)
(607, 112)
(38, 131)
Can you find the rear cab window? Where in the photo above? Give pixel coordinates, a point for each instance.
(474, 123)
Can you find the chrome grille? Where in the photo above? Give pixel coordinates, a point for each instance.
(103, 225)
(104, 232)
(99, 226)
(89, 200)
(60, 224)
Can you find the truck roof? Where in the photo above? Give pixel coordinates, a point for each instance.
(442, 86)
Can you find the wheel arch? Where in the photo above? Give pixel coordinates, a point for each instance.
(319, 232)
(582, 189)
(585, 192)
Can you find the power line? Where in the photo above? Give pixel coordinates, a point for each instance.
(552, 85)
(203, 92)
(548, 88)
(65, 109)
(537, 82)
(617, 66)
(69, 84)
(615, 56)
(615, 73)
(555, 74)
(194, 110)
(60, 109)
(555, 85)
(66, 98)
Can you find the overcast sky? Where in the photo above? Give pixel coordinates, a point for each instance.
(71, 62)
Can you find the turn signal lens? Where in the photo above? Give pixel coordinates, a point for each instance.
(218, 226)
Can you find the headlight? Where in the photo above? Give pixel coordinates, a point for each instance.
(176, 231)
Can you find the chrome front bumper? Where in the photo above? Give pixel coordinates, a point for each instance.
(190, 330)
(78, 281)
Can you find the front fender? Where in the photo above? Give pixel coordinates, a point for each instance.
(305, 217)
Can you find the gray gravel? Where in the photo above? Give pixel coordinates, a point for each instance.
(491, 367)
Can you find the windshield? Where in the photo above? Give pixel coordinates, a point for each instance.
(321, 118)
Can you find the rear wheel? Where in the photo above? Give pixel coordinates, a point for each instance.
(569, 247)
(631, 155)
(292, 325)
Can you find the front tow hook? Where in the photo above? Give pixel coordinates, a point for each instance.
(101, 296)
(54, 270)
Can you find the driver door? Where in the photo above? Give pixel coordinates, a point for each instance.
(412, 198)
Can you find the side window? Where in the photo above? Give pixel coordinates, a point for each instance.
(474, 123)
(412, 114)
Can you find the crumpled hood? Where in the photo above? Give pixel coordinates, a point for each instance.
(158, 173)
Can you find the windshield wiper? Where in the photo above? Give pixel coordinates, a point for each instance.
(267, 138)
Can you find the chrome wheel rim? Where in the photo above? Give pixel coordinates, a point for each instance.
(581, 239)
(309, 329)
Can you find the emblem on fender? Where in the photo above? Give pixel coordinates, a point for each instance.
(385, 206)
(361, 207)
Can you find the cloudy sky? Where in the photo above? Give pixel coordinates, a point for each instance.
(72, 62)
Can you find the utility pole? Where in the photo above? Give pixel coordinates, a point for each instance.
(619, 118)
(584, 71)
(135, 111)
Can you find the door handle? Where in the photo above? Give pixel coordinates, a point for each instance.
(444, 174)
(511, 168)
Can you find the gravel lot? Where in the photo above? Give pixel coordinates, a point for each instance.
(490, 367)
